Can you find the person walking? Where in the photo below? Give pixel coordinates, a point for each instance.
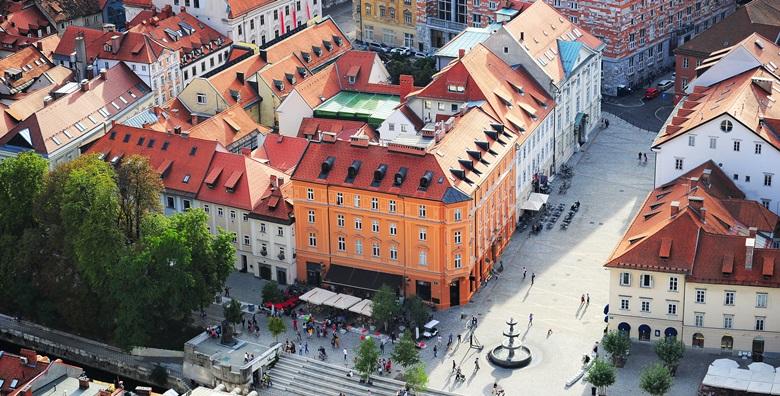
(587, 298)
(549, 333)
(295, 324)
(582, 299)
(533, 276)
(639, 157)
(382, 346)
(227, 291)
(524, 272)
(454, 366)
(476, 363)
(345, 354)
(645, 157)
(306, 348)
(435, 351)
(459, 338)
(530, 319)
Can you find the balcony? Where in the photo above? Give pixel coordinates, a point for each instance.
(446, 25)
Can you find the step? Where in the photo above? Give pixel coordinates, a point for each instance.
(343, 384)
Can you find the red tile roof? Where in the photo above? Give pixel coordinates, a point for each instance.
(66, 10)
(184, 33)
(320, 87)
(228, 127)
(227, 80)
(150, 16)
(281, 152)
(29, 63)
(311, 127)
(283, 75)
(27, 20)
(236, 8)
(55, 125)
(67, 44)
(371, 157)
(132, 46)
(13, 42)
(138, 3)
(13, 368)
(696, 225)
(180, 157)
(306, 43)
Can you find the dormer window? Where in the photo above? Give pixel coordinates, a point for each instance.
(456, 88)
(306, 57)
(279, 85)
(351, 79)
(317, 51)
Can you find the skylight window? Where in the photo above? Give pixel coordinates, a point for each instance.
(132, 95)
(103, 112)
(92, 119)
(55, 140)
(116, 106)
(67, 134)
(123, 100)
(79, 127)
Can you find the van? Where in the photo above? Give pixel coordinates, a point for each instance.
(430, 330)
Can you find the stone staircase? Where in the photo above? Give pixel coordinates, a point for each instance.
(298, 375)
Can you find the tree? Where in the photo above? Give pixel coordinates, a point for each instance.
(276, 326)
(159, 375)
(617, 344)
(417, 310)
(601, 374)
(405, 352)
(271, 292)
(232, 311)
(422, 69)
(139, 193)
(416, 377)
(385, 305)
(366, 358)
(670, 351)
(655, 380)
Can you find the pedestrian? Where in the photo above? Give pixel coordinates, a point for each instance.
(587, 298)
(345, 354)
(450, 341)
(243, 323)
(382, 347)
(524, 272)
(438, 340)
(454, 366)
(533, 276)
(607, 122)
(530, 319)
(582, 299)
(459, 338)
(298, 334)
(300, 349)
(295, 324)
(645, 157)
(476, 363)
(640, 156)
(306, 348)
(435, 351)
(549, 333)
(227, 291)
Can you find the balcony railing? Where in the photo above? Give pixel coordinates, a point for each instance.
(448, 25)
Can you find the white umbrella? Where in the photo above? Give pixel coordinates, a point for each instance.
(761, 367)
(760, 387)
(714, 380)
(763, 377)
(728, 363)
(364, 308)
(736, 384)
(741, 374)
(718, 371)
(775, 389)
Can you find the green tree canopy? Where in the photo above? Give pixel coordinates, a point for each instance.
(385, 305)
(139, 193)
(405, 352)
(417, 310)
(601, 374)
(366, 357)
(271, 292)
(655, 380)
(670, 351)
(416, 377)
(232, 311)
(276, 326)
(617, 344)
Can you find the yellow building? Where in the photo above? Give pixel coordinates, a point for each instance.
(389, 22)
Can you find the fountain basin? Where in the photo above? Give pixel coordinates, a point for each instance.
(508, 358)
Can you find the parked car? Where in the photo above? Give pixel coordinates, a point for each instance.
(430, 330)
(419, 54)
(623, 90)
(378, 47)
(663, 85)
(403, 51)
(651, 93)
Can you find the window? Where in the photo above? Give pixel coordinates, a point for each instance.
(765, 202)
(421, 211)
(374, 225)
(233, 214)
(767, 179)
(339, 199)
(713, 143)
(427, 104)
(309, 194)
(359, 247)
(726, 126)
(457, 214)
(358, 223)
(246, 240)
(728, 321)
(206, 208)
(624, 304)
(374, 204)
(201, 98)
(441, 106)
(678, 163)
(729, 298)
(391, 206)
(457, 237)
(645, 306)
(342, 244)
(671, 309)
(393, 229)
(279, 231)
(625, 279)
(170, 203)
(368, 9)
(698, 319)
(747, 179)
(408, 21)
(692, 140)
(761, 299)
(220, 212)
(685, 63)
(758, 148)
(340, 220)
(311, 216)
(423, 233)
(736, 145)
(375, 249)
(646, 280)
(673, 283)
(423, 257)
(357, 201)
(244, 216)
(760, 323)
(736, 176)
(700, 295)
(458, 260)
(262, 228)
(393, 253)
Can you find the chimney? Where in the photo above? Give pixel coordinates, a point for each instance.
(39, 45)
(328, 137)
(103, 73)
(83, 382)
(30, 355)
(84, 85)
(750, 243)
(194, 120)
(177, 130)
(240, 77)
(407, 85)
(703, 213)
(694, 183)
(81, 55)
(246, 151)
(115, 42)
(461, 53)
(182, 9)
(522, 36)
(274, 181)
(752, 231)
(47, 100)
(90, 72)
(705, 177)
(696, 202)
(675, 205)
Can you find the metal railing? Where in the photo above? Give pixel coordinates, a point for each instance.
(449, 25)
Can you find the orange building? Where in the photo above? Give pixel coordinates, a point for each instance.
(426, 216)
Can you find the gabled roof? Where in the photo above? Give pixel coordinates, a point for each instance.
(228, 127)
(26, 20)
(282, 75)
(66, 10)
(311, 127)
(227, 81)
(314, 46)
(30, 103)
(132, 46)
(281, 152)
(320, 87)
(14, 371)
(344, 154)
(22, 68)
(181, 161)
(667, 233)
(237, 8)
(67, 44)
(541, 27)
(57, 124)
(184, 33)
(513, 96)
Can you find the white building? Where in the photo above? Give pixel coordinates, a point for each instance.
(249, 21)
(728, 116)
(566, 61)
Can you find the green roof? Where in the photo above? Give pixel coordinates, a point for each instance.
(370, 108)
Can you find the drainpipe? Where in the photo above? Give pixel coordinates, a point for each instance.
(555, 91)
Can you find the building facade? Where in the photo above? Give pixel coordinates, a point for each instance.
(391, 23)
(439, 21)
(640, 36)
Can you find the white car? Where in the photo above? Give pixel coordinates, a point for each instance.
(403, 51)
(663, 85)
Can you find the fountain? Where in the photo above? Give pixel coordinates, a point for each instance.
(510, 354)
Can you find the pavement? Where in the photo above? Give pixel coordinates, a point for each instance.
(645, 114)
(342, 15)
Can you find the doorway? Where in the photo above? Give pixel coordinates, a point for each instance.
(265, 272)
(698, 341)
(644, 333)
(758, 349)
(281, 276)
(455, 293)
(244, 263)
(313, 273)
(726, 343)
(423, 290)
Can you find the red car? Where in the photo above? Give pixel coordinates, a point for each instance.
(651, 93)
(289, 303)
